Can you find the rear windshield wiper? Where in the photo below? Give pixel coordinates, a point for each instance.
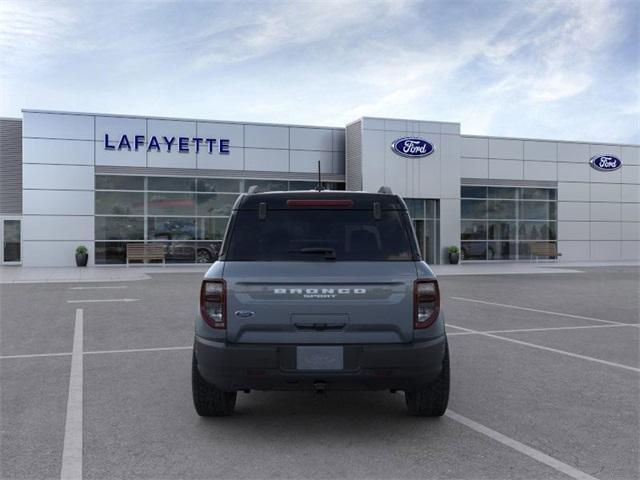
(329, 253)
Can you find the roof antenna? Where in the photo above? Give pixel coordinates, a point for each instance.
(319, 186)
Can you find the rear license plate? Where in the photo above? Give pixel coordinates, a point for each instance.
(320, 358)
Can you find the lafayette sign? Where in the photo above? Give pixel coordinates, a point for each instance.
(158, 144)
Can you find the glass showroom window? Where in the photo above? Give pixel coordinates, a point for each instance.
(188, 216)
(425, 215)
(501, 223)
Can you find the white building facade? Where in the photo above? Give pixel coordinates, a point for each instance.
(106, 181)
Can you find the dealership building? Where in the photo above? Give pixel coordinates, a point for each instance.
(112, 181)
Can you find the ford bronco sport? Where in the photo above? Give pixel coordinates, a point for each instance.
(320, 290)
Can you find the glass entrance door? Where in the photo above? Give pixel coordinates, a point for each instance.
(425, 214)
(11, 241)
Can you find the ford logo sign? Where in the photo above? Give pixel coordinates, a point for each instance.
(605, 163)
(412, 147)
(244, 313)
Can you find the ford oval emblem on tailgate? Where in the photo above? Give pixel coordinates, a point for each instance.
(244, 313)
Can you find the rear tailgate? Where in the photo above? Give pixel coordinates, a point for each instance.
(319, 302)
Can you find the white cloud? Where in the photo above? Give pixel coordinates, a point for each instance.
(28, 28)
(559, 85)
(555, 56)
(500, 68)
(290, 24)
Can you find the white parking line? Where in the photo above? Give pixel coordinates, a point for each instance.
(520, 447)
(549, 349)
(453, 326)
(547, 312)
(72, 449)
(105, 300)
(136, 350)
(35, 355)
(96, 352)
(518, 330)
(97, 288)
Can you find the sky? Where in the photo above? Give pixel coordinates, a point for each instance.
(537, 69)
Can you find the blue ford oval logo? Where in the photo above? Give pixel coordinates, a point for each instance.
(605, 163)
(412, 147)
(244, 313)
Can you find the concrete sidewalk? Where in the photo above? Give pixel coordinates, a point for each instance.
(11, 274)
(523, 268)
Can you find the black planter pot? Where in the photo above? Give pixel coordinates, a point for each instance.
(82, 259)
(454, 258)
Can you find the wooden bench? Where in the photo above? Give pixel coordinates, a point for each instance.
(545, 250)
(144, 252)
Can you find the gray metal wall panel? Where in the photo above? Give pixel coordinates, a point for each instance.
(353, 157)
(511, 183)
(186, 172)
(10, 166)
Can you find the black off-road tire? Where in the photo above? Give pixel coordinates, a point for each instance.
(207, 399)
(431, 401)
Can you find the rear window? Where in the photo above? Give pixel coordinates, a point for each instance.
(320, 235)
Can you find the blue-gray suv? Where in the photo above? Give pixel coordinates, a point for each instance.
(320, 290)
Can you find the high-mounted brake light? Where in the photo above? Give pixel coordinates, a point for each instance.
(426, 302)
(213, 303)
(319, 203)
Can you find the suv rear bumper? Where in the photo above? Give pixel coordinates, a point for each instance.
(232, 367)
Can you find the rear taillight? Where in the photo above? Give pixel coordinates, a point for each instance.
(426, 302)
(213, 303)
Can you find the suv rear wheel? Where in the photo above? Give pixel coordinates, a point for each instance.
(432, 400)
(207, 399)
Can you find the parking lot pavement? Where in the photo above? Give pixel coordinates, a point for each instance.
(617, 345)
(290, 435)
(581, 413)
(33, 401)
(609, 293)
(556, 399)
(161, 318)
(35, 319)
(473, 315)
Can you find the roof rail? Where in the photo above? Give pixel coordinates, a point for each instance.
(253, 189)
(385, 190)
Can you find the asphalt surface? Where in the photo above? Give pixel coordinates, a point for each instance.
(567, 392)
